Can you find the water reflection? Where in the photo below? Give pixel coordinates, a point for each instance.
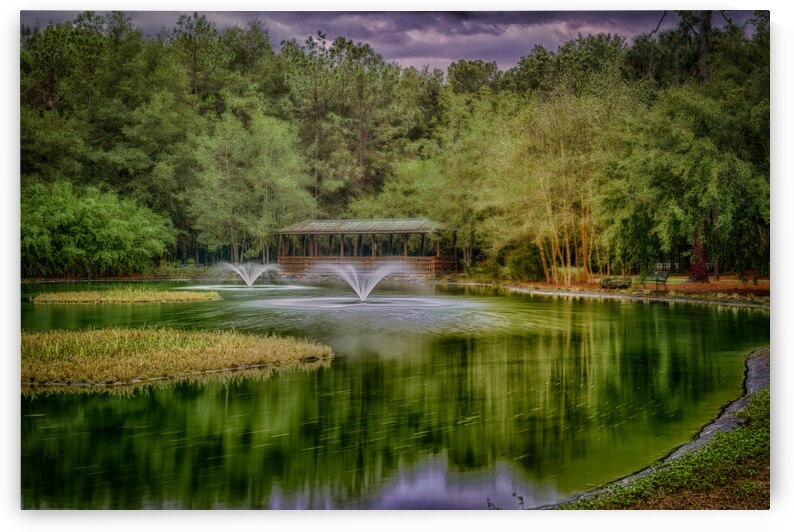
(424, 407)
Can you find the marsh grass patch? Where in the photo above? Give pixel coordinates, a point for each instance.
(126, 295)
(122, 356)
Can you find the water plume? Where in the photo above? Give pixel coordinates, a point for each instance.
(361, 278)
(249, 272)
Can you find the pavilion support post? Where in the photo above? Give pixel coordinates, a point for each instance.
(330, 245)
(422, 247)
(405, 245)
(438, 248)
(281, 246)
(341, 245)
(373, 245)
(311, 246)
(391, 245)
(356, 245)
(303, 245)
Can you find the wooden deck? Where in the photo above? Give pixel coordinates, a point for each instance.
(431, 265)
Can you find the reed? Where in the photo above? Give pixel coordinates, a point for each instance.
(116, 356)
(126, 295)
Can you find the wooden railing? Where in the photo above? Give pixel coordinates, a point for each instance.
(417, 265)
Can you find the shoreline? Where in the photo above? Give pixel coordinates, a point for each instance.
(608, 295)
(756, 377)
(707, 299)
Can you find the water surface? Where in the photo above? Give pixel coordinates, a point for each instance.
(437, 398)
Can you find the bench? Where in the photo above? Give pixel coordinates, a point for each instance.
(657, 277)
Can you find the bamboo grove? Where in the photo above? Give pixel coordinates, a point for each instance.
(197, 144)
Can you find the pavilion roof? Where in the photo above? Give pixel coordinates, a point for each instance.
(351, 227)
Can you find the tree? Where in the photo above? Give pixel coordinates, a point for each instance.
(45, 62)
(541, 185)
(593, 157)
(686, 178)
(252, 182)
(314, 89)
(366, 97)
(89, 43)
(470, 76)
(418, 104)
(52, 147)
(534, 72)
(202, 53)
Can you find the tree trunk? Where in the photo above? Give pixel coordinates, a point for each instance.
(234, 252)
(583, 235)
(543, 259)
(566, 238)
(698, 273)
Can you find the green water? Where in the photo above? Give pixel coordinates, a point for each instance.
(437, 398)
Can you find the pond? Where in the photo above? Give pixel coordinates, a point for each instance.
(439, 397)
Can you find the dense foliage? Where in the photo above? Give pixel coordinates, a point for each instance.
(65, 233)
(595, 158)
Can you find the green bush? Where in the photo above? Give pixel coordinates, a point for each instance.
(523, 264)
(82, 233)
(616, 282)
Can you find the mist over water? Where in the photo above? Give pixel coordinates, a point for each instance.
(437, 398)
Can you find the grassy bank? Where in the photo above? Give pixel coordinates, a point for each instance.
(730, 472)
(126, 295)
(124, 356)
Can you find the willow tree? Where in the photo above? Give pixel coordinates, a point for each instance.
(684, 177)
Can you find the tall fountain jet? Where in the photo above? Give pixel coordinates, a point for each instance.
(249, 272)
(362, 281)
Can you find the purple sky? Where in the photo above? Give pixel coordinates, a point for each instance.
(424, 38)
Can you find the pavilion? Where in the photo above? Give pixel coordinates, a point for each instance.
(367, 244)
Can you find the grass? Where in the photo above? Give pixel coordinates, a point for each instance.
(124, 356)
(126, 295)
(730, 472)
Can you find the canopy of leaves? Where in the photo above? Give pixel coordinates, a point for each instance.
(597, 156)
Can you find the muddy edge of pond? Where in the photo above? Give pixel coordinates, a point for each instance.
(756, 377)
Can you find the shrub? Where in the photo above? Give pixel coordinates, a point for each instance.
(616, 282)
(68, 232)
(523, 264)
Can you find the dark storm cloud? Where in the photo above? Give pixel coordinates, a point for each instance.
(419, 38)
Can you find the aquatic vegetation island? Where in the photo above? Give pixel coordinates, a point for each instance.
(123, 356)
(126, 295)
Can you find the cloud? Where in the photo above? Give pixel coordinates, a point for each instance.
(437, 38)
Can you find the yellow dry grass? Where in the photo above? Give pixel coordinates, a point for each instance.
(122, 356)
(126, 295)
